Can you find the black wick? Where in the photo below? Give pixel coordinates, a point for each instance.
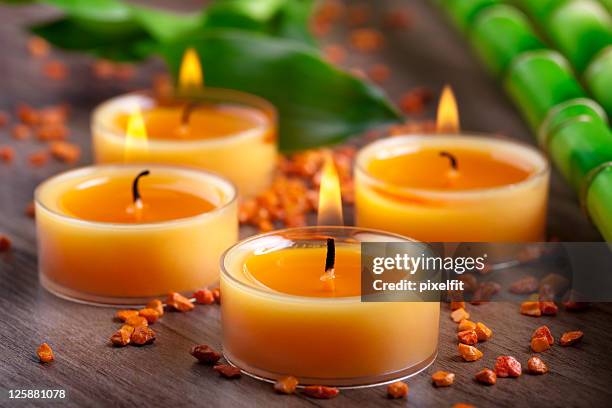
(135, 191)
(187, 111)
(453, 159)
(330, 259)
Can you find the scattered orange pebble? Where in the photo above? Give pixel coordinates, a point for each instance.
(7, 154)
(334, 54)
(379, 73)
(459, 315)
(103, 69)
(366, 39)
(55, 70)
(549, 308)
(204, 297)
(486, 376)
(507, 366)
(535, 365)
(47, 133)
(125, 72)
(217, 295)
(142, 335)
(30, 210)
(398, 19)
(397, 389)
(466, 324)
(21, 132)
(27, 114)
(156, 305)
(483, 332)
(544, 331)
(227, 371)
(539, 344)
(179, 302)
(4, 118)
(442, 378)
(569, 338)
(320, 391)
(150, 314)
(469, 353)
(457, 305)
(525, 285)
(286, 385)
(121, 337)
(330, 11)
(467, 337)
(38, 47)
(5, 243)
(136, 321)
(531, 309)
(358, 14)
(265, 226)
(53, 115)
(125, 314)
(463, 405)
(65, 152)
(205, 354)
(414, 101)
(38, 159)
(573, 306)
(45, 354)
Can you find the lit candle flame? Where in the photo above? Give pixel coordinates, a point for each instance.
(330, 197)
(447, 120)
(190, 74)
(135, 137)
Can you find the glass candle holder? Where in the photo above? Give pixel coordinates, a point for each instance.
(228, 132)
(276, 324)
(90, 250)
(497, 193)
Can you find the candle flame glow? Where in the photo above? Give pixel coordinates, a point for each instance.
(330, 197)
(447, 120)
(135, 136)
(190, 74)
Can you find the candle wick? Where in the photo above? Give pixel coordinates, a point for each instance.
(135, 190)
(451, 158)
(187, 111)
(330, 259)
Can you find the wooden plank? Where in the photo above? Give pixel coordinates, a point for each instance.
(94, 374)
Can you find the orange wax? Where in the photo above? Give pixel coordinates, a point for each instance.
(496, 192)
(278, 320)
(227, 132)
(110, 200)
(207, 121)
(425, 168)
(298, 272)
(95, 245)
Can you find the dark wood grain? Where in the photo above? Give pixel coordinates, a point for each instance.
(164, 374)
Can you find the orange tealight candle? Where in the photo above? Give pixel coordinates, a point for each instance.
(280, 319)
(452, 187)
(120, 235)
(292, 306)
(225, 131)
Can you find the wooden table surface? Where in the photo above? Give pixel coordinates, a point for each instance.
(164, 374)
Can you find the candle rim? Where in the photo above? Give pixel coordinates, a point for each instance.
(221, 95)
(313, 228)
(365, 154)
(221, 182)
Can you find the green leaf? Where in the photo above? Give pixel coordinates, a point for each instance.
(124, 43)
(164, 25)
(317, 103)
(100, 10)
